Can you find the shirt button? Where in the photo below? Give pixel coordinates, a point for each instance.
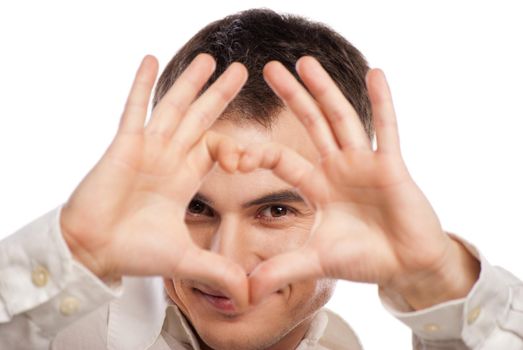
(40, 276)
(431, 328)
(69, 306)
(473, 315)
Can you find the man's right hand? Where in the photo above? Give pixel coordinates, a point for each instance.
(127, 215)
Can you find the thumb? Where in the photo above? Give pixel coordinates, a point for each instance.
(217, 272)
(280, 270)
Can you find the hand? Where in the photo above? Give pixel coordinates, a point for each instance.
(373, 224)
(127, 216)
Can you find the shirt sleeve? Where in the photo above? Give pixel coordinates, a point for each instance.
(42, 288)
(490, 317)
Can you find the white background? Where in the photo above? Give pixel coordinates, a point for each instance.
(454, 68)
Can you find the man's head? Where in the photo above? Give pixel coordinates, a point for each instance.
(251, 217)
(255, 37)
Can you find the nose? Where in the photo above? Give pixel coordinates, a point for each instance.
(233, 241)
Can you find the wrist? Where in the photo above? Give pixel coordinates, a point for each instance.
(452, 279)
(78, 252)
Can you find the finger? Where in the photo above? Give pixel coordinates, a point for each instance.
(135, 111)
(215, 147)
(217, 272)
(343, 119)
(289, 166)
(383, 113)
(283, 161)
(180, 95)
(281, 270)
(301, 104)
(208, 107)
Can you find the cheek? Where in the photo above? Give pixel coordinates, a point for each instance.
(280, 240)
(202, 234)
(310, 295)
(176, 293)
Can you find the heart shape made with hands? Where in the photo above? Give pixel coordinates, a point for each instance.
(373, 224)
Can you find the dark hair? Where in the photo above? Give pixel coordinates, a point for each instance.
(257, 36)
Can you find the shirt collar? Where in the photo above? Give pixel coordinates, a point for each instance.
(177, 326)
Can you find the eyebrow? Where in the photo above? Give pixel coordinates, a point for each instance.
(285, 196)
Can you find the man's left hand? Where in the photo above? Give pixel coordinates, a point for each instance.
(373, 224)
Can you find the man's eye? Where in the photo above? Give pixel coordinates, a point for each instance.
(197, 207)
(274, 212)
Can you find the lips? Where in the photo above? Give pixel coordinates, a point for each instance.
(210, 291)
(215, 298)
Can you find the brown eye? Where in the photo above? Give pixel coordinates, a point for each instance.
(197, 207)
(274, 212)
(277, 211)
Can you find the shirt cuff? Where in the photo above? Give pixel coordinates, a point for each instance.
(39, 276)
(470, 319)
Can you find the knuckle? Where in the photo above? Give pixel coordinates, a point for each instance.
(174, 105)
(385, 122)
(135, 104)
(158, 136)
(189, 82)
(203, 117)
(292, 95)
(322, 89)
(310, 118)
(177, 148)
(222, 96)
(288, 93)
(337, 116)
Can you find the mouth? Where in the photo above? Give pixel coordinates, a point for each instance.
(218, 301)
(215, 299)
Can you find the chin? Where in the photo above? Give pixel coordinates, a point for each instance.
(258, 328)
(242, 335)
(238, 342)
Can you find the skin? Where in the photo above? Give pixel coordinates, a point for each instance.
(249, 234)
(364, 219)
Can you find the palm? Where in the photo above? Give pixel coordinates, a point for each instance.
(374, 197)
(138, 196)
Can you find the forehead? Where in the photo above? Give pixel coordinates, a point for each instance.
(286, 130)
(234, 189)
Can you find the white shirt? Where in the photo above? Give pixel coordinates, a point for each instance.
(48, 300)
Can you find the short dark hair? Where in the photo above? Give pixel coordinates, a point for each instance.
(257, 36)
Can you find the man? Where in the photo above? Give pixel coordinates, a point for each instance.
(249, 251)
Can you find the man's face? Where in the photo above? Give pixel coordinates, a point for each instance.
(249, 218)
